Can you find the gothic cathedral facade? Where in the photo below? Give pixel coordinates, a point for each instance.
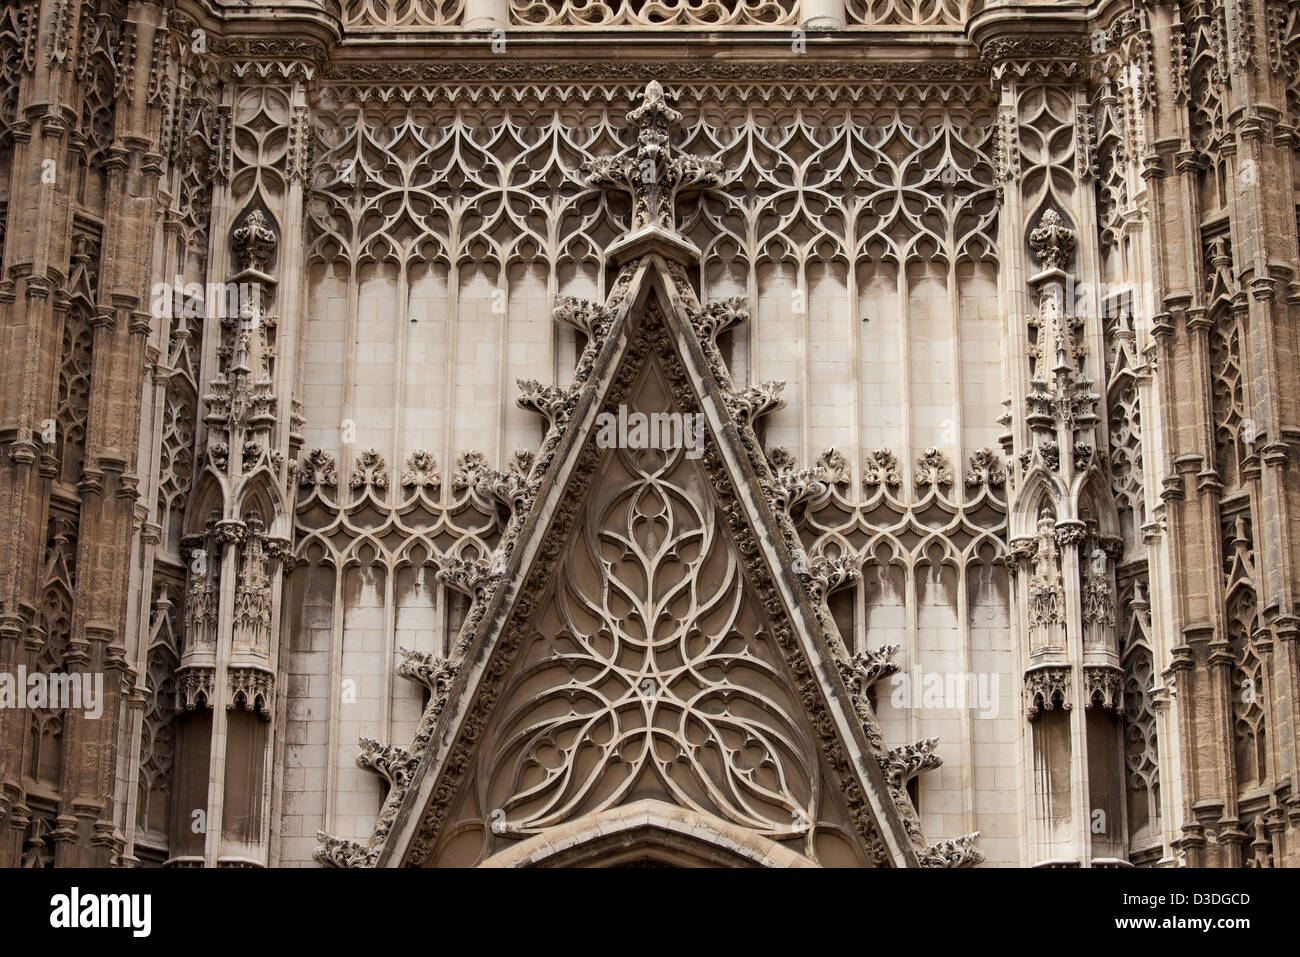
(644, 432)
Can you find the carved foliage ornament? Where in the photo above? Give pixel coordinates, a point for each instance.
(254, 242)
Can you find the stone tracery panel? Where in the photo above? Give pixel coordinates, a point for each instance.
(1125, 432)
(402, 13)
(915, 13)
(660, 668)
(1249, 686)
(695, 13)
(1141, 743)
(158, 733)
(484, 214)
(1233, 435)
(809, 183)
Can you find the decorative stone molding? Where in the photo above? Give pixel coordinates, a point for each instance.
(471, 578)
(1050, 454)
(253, 588)
(781, 459)
(933, 471)
(775, 80)
(793, 487)
(475, 580)
(714, 318)
(511, 488)
(831, 574)
(836, 466)
(370, 472)
(681, 13)
(954, 852)
(1052, 241)
(751, 404)
(655, 171)
(553, 403)
(1038, 57)
(985, 470)
(339, 852)
(868, 667)
(194, 687)
(395, 764)
(1070, 532)
(589, 318)
(254, 242)
(434, 672)
(468, 465)
(1046, 591)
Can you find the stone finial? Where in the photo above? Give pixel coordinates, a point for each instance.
(370, 471)
(654, 171)
(317, 470)
(836, 466)
(881, 469)
(933, 470)
(421, 472)
(985, 470)
(953, 852)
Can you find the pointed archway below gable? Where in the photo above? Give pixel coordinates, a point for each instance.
(649, 834)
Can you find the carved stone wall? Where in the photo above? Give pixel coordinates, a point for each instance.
(1021, 303)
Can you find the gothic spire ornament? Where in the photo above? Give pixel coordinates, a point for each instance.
(653, 173)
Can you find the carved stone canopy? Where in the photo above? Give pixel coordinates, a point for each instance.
(1047, 688)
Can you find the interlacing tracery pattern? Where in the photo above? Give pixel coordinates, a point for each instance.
(911, 12)
(402, 13)
(383, 529)
(504, 186)
(694, 13)
(655, 671)
(1123, 366)
(1048, 138)
(926, 546)
(1249, 690)
(1233, 436)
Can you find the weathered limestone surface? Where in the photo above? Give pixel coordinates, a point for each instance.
(992, 314)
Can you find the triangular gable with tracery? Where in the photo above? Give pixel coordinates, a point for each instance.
(649, 637)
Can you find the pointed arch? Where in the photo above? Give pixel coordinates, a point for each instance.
(649, 831)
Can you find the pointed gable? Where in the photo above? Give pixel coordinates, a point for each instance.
(647, 668)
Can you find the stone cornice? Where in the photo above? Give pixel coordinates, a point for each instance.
(301, 40)
(1040, 42)
(942, 81)
(296, 19)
